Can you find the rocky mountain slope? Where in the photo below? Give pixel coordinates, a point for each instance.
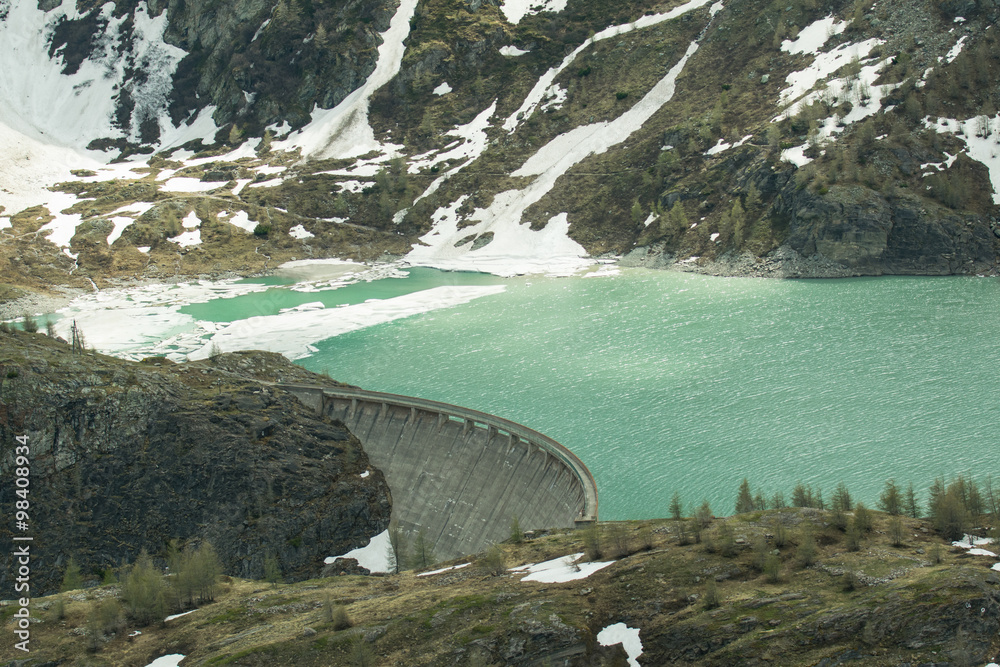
(742, 136)
(673, 601)
(129, 456)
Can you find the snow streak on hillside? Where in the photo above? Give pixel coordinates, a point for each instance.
(344, 131)
(499, 243)
(544, 83)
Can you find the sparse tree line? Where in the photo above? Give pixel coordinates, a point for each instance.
(30, 324)
(146, 594)
(953, 507)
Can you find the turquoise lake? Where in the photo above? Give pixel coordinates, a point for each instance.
(664, 381)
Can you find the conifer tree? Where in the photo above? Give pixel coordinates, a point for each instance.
(841, 498)
(890, 500)
(910, 502)
(72, 580)
(423, 551)
(744, 500)
(143, 591)
(398, 556)
(676, 508)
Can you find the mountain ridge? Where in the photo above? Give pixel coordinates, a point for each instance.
(750, 137)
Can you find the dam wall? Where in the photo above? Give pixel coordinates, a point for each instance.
(460, 475)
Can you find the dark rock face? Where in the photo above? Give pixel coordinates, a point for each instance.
(262, 61)
(863, 231)
(126, 457)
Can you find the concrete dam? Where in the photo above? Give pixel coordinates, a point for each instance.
(458, 474)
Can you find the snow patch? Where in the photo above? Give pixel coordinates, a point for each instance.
(955, 50)
(172, 660)
(374, 556)
(184, 613)
(560, 570)
(537, 93)
(187, 239)
(825, 64)
(812, 38)
(515, 10)
(511, 51)
(442, 89)
(300, 232)
(982, 141)
(444, 569)
(472, 142)
(186, 184)
(619, 633)
(723, 146)
(242, 220)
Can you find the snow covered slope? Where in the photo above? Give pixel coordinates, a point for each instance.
(511, 137)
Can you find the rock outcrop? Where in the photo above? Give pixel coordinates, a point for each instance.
(128, 456)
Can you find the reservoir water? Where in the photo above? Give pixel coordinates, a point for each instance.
(664, 381)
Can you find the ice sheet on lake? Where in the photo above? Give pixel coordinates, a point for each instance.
(293, 334)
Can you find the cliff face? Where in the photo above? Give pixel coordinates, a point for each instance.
(127, 456)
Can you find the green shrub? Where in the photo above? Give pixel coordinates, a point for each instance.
(712, 599)
(863, 520)
(516, 534)
(339, 618)
(772, 568)
(261, 229)
(806, 553)
(495, 560)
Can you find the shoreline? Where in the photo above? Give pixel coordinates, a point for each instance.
(780, 264)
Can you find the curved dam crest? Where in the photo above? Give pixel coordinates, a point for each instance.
(458, 474)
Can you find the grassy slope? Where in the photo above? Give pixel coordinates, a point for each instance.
(910, 610)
